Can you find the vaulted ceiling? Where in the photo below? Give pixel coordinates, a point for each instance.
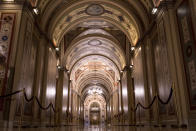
(97, 31)
(57, 17)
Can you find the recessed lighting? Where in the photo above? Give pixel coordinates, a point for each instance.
(154, 10)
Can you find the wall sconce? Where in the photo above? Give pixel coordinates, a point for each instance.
(57, 49)
(62, 68)
(36, 11)
(133, 48)
(154, 10)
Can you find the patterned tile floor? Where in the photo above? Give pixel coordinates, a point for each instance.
(96, 128)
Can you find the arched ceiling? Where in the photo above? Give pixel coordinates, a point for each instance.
(94, 45)
(57, 17)
(51, 7)
(95, 56)
(83, 11)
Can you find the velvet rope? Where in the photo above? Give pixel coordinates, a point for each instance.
(52, 106)
(155, 97)
(28, 100)
(149, 106)
(168, 100)
(38, 102)
(43, 108)
(11, 94)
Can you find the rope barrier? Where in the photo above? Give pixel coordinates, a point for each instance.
(8, 95)
(155, 97)
(148, 107)
(169, 98)
(53, 108)
(30, 99)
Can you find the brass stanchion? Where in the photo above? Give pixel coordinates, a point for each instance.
(139, 118)
(50, 118)
(177, 107)
(21, 109)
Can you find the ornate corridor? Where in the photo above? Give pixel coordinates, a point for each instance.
(98, 65)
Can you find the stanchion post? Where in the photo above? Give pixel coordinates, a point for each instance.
(50, 118)
(21, 108)
(139, 117)
(177, 107)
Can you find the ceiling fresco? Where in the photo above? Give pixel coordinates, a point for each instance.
(43, 3)
(94, 31)
(94, 46)
(102, 11)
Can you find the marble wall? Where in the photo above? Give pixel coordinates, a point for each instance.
(65, 97)
(51, 80)
(162, 71)
(28, 68)
(148, 54)
(139, 82)
(125, 93)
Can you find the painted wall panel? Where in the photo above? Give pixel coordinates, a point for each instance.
(6, 34)
(188, 43)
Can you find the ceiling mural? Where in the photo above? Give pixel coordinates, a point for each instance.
(104, 11)
(94, 46)
(95, 10)
(99, 79)
(96, 24)
(43, 3)
(94, 31)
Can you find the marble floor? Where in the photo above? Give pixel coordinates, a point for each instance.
(96, 128)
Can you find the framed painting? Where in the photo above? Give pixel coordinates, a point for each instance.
(188, 45)
(6, 34)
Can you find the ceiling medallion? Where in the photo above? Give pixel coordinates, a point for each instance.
(94, 42)
(95, 10)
